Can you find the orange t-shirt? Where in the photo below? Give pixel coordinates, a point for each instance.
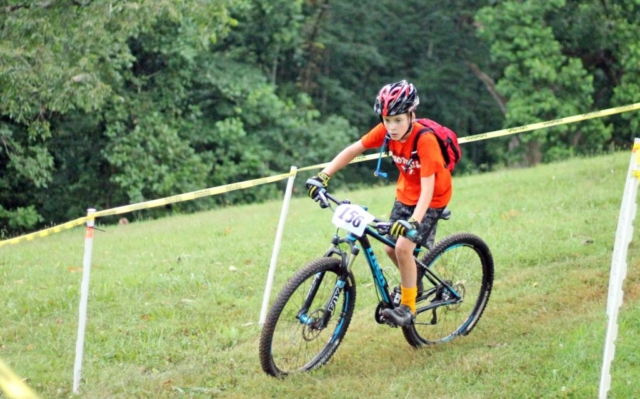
(429, 162)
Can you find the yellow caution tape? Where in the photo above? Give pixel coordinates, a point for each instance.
(149, 204)
(555, 122)
(636, 159)
(13, 386)
(46, 232)
(252, 183)
(192, 195)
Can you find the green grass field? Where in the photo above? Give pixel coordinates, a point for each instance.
(174, 304)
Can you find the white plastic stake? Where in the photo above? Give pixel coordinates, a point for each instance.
(84, 296)
(618, 272)
(276, 245)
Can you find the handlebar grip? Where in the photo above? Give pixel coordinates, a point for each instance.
(322, 199)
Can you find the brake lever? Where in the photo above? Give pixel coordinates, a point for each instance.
(322, 199)
(383, 228)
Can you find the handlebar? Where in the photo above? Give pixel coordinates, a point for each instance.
(325, 199)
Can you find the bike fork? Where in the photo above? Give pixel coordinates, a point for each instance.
(329, 307)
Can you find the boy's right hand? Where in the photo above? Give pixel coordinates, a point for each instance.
(315, 183)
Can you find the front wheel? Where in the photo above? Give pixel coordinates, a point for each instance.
(452, 306)
(308, 319)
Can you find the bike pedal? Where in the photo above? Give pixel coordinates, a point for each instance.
(379, 318)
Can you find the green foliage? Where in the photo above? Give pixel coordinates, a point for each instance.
(540, 82)
(266, 30)
(624, 29)
(66, 59)
(430, 43)
(107, 104)
(20, 219)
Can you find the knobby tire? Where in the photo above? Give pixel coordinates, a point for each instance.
(288, 345)
(465, 261)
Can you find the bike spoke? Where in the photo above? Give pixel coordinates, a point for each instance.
(452, 306)
(297, 341)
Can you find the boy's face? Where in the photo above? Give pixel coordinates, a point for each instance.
(397, 125)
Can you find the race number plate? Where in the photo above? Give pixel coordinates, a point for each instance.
(352, 218)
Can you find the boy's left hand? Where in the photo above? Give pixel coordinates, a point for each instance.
(405, 228)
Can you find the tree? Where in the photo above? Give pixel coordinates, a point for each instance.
(562, 58)
(623, 16)
(70, 61)
(349, 54)
(108, 104)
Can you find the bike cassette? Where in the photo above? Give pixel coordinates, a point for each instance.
(443, 294)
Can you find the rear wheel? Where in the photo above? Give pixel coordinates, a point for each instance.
(299, 334)
(446, 310)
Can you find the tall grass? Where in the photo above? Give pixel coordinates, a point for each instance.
(174, 303)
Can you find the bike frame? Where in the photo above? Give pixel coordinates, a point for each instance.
(379, 278)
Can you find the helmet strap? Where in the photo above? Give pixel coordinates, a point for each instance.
(410, 128)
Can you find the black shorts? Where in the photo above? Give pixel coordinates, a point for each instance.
(426, 230)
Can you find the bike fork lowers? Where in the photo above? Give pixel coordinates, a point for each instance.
(329, 307)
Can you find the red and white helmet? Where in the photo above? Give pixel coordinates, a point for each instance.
(396, 98)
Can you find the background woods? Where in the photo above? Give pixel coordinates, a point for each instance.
(104, 103)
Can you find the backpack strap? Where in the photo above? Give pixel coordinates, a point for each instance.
(414, 149)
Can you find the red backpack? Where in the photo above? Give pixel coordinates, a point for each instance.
(446, 138)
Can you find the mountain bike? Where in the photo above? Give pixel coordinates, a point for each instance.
(311, 315)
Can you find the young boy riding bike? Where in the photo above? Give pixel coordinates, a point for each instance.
(423, 188)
